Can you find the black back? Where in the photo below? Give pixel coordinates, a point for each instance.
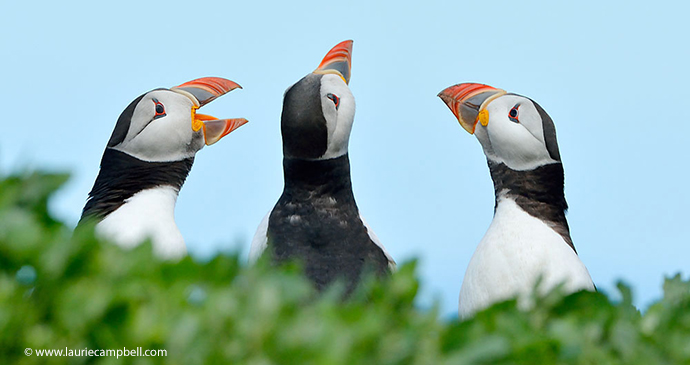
(122, 176)
(538, 192)
(316, 221)
(303, 126)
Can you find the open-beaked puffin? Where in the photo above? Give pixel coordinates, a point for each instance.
(148, 158)
(316, 220)
(528, 242)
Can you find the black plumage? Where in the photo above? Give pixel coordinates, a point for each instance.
(317, 222)
(303, 126)
(539, 192)
(123, 123)
(549, 129)
(121, 176)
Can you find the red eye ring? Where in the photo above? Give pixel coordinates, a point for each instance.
(159, 108)
(335, 99)
(514, 114)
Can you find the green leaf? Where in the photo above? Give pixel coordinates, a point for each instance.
(62, 289)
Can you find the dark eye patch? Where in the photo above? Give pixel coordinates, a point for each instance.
(335, 99)
(160, 109)
(514, 114)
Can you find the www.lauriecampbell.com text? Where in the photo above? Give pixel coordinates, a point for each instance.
(117, 353)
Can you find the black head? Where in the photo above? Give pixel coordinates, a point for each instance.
(317, 117)
(303, 125)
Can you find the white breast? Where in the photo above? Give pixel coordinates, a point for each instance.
(515, 252)
(260, 240)
(147, 214)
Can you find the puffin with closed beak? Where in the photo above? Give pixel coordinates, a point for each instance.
(147, 160)
(528, 241)
(316, 220)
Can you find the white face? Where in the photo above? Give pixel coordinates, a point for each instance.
(339, 118)
(514, 134)
(162, 137)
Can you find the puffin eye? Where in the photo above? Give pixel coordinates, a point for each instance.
(513, 114)
(335, 99)
(160, 109)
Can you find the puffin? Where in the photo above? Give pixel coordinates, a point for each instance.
(146, 161)
(528, 243)
(316, 220)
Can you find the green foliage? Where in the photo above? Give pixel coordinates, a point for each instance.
(62, 289)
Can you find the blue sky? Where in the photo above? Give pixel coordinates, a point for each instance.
(613, 76)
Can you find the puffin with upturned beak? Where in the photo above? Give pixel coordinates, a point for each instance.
(316, 220)
(528, 242)
(147, 160)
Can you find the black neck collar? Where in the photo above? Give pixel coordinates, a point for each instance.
(320, 175)
(123, 175)
(538, 192)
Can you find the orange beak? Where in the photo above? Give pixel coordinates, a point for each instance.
(201, 92)
(338, 61)
(468, 103)
(214, 129)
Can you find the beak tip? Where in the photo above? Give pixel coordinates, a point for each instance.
(338, 60)
(216, 129)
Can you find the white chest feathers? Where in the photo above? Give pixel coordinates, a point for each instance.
(147, 214)
(517, 251)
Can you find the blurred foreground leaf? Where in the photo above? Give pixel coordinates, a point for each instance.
(62, 289)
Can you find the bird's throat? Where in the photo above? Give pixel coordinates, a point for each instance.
(317, 176)
(121, 176)
(539, 192)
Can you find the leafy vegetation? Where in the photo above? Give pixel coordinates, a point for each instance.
(63, 289)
